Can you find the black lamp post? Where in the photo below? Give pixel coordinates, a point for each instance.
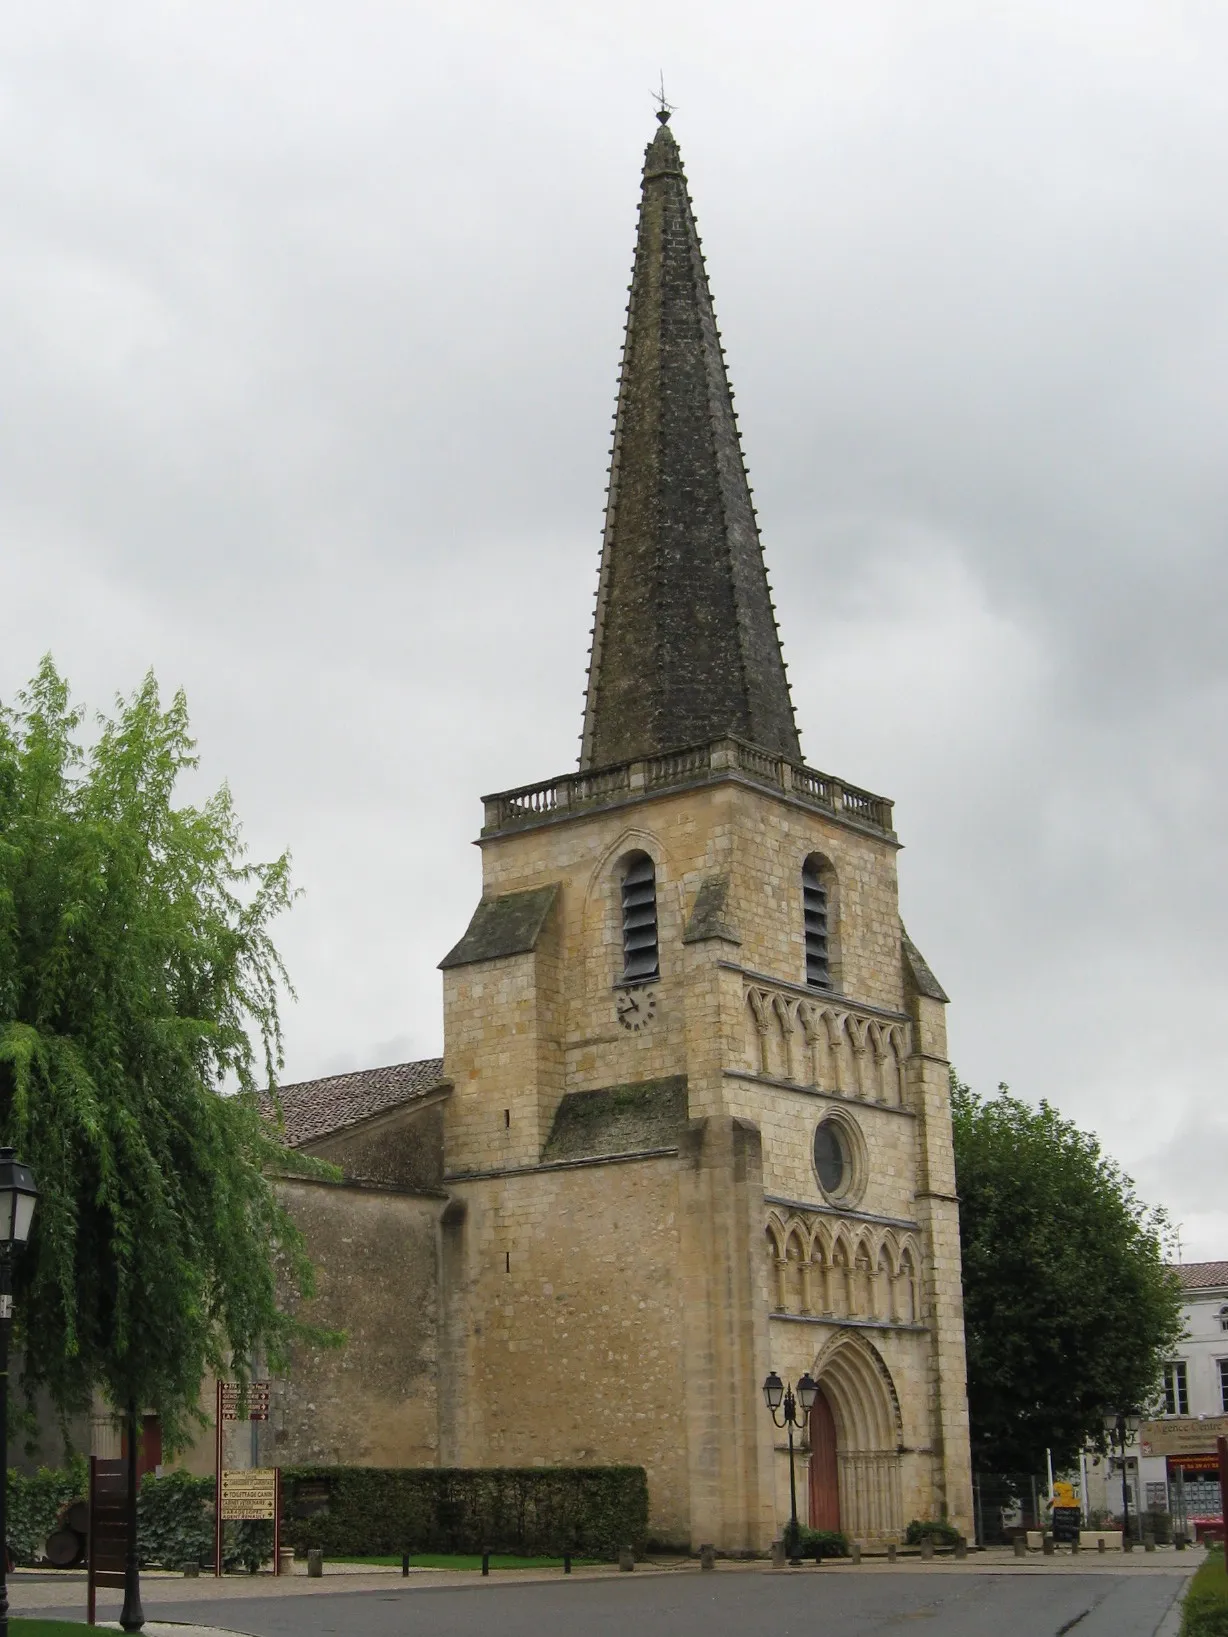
(1121, 1427)
(17, 1196)
(779, 1397)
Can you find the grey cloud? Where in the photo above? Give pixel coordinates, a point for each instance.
(311, 330)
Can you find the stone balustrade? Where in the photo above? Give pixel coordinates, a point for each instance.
(697, 764)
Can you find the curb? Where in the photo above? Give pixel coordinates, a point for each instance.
(166, 1628)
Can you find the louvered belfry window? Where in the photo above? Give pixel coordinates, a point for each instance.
(640, 959)
(814, 915)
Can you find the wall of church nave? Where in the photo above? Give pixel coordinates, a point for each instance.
(565, 1309)
(371, 1402)
(876, 1383)
(787, 1120)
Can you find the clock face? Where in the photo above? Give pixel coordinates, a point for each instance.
(636, 1009)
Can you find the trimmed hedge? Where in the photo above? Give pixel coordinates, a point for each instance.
(349, 1511)
(1205, 1610)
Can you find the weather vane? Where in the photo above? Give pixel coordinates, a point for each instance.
(664, 109)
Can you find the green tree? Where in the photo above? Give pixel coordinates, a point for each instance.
(1069, 1308)
(138, 1010)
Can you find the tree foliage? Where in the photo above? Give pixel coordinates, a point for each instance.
(138, 1009)
(1069, 1308)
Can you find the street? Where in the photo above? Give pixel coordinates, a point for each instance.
(751, 1603)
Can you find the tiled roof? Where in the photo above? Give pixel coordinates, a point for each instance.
(316, 1108)
(1203, 1275)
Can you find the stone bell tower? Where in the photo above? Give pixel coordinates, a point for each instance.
(697, 1125)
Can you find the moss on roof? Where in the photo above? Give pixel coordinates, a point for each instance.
(508, 925)
(626, 1119)
(917, 968)
(707, 918)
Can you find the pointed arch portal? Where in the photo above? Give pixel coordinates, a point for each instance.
(855, 1443)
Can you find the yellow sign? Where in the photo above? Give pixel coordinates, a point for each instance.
(251, 1494)
(1182, 1435)
(1064, 1494)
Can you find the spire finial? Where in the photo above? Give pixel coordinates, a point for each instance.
(664, 109)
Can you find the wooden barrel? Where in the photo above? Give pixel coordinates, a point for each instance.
(65, 1548)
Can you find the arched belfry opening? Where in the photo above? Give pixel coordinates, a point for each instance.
(855, 1436)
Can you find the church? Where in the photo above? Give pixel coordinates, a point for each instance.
(691, 1122)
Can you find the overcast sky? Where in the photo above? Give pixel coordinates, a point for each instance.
(309, 328)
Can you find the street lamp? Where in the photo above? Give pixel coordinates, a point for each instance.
(1121, 1428)
(776, 1395)
(17, 1196)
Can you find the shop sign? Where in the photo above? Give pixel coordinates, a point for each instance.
(1182, 1435)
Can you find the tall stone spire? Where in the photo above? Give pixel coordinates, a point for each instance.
(685, 646)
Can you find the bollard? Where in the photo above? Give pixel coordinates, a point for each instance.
(1074, 1546)
(890, 1551)
(486, 1560)
(818, 1557)
(778, 1554)
(927, 1547)
(961, 1547)
(626, 1559)
(315, 1563)
(1021, 1546)
(707, 1558)
(855, 1553)
(1149, 1543)
(1046, 1544)
(1127, 1544)
(1100, 1546)
(1180, 1542)
(566, 1562)
(405, 1565)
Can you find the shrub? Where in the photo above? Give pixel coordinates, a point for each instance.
(35, 1504)
(827, 1542)
(1205, 1611)
(532, 1511)
(174, 1519)
(939, 1531)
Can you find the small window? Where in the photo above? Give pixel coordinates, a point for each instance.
(1223, 1385)
(814, 916)
(640, 956)
(1223, 1318)
(1176, 1394)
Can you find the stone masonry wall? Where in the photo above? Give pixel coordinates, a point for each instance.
(371, 1402)
(564, 1313)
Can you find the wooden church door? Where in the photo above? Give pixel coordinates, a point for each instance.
(824, 1472)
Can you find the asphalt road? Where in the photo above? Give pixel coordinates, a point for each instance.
(720, 1605)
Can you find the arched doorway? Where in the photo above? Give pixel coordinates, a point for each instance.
(862, 1425)
(824, 1468)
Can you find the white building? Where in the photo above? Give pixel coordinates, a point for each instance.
(1173, 1466)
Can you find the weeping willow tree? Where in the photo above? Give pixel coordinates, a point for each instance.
(138, 1015)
